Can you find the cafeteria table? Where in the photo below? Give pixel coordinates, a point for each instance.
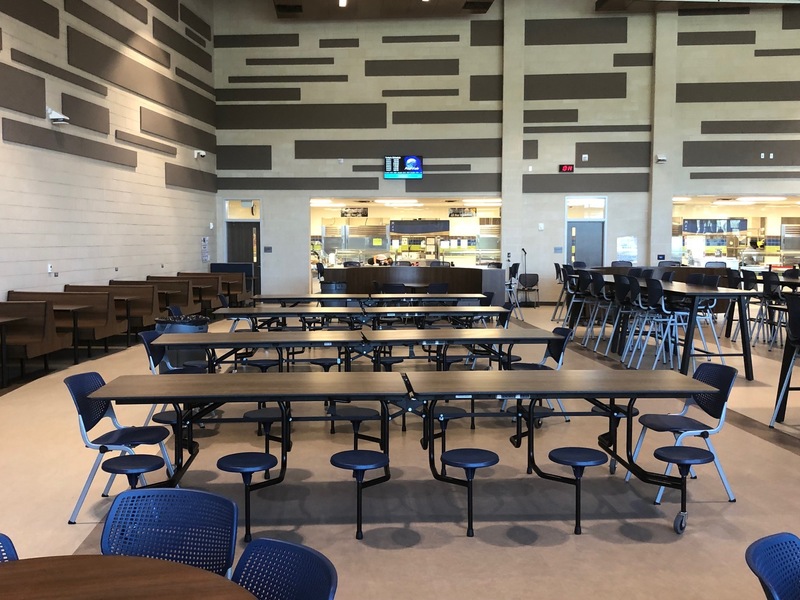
(101, 577)
(368, 299)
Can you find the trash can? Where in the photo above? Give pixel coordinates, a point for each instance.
(333, 287)
(183, 324)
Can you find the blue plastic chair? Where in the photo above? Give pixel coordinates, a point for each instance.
(119, 439)
(192, 527)
(775, 560)
(277, 570)
(7, 550)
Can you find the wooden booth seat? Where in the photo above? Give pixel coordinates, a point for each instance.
(234, 286)
(170, 291)
(96, 321)
(36, 335)
(143, 300)
(211, 294)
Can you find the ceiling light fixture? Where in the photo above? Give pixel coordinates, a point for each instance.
(342, 3)
(681, 199)
(751, 199)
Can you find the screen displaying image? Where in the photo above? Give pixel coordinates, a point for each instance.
(402, 167)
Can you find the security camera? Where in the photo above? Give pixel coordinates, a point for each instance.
(199, 153)
(56, 118)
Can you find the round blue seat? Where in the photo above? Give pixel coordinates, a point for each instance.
(247, 463)
(683, 457)
(266, 417)
(133, 465)
(578, 458)
(356, 415)
(469, 459)
(359, 462)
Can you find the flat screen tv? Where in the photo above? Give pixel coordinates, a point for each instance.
(402, 167)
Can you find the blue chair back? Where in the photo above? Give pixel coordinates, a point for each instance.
(277, 570)
(154, 353)
(7, 550)
(90, 411)
(719, 376)
(192, 527)
(775, 560)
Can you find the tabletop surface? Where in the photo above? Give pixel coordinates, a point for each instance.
(322, 297)
(263, 310)
(249, 387)
(246, 339)
(494, 335)
(4, 320)
(98, 577)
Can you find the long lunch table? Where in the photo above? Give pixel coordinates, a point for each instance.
(195, 396)
(385, 299)
(532, 386)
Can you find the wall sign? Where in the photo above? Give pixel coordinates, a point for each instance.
(566, 168)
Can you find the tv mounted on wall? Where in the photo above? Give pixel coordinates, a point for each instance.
(402, 167)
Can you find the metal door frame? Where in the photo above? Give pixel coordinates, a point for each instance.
(567, 219)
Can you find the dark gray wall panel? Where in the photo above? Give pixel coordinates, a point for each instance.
(376, 149)
(419, 39)
(339, 43)
(96, 58)
(585, 128)
(557, 32)
(306, 116)
(418, 93)
(299, 183)
(171, 129)
(575, 86)
(530, 149)
(791, 17)
(571, 183)
(746, 175)
(258, 94)
(746, 91)
(322, 60)
(183, 177)
(486, 33)
(287, 79)
(716, 38)
(194, 37)
(266, 40)
(85, 114)
(40, 65)
(613, 154)
(713, 11)
(137, 140)
(641, 59)
(423, 117)
(244, 157)
(194, 80)
(195, 22)
(133, 8)
(433, 67)
(114, 29)
(776, 126)
(169, 7)
(58, 141)
(565, 115)
(35, 13)
(22, 91)
(1, 39)
(485, 87)
(167, 35)
(456, 183)
(741, 153)
(779, 52)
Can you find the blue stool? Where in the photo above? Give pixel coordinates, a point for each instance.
(578, 458)
(443, 414)
(133, 465)
(247, 463)
(469, 459)
(359, 462)
(356, 415)
(266, 418)
(683, 457)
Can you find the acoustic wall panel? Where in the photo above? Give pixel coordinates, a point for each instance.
(267, 40)
(58, 141)
(194, 37)
(613, 154)
(287, 79)
(432, 67)
(486, 33)
(301, 60)
(575, 86)
(585, 128)
(419, 39)
(172, 129)
(430, 117)
(339, 43)
(740, 91)
(35, 13)
(244, 157)
(485, 87)
(168, 36)
(169, 7)
(556, 115)
(746, 175)
(580, 183)
(467, 183)
(776, 127)
(85, 114)
(750, 153)
(633, 59)
(183, 177)
(69, 76)
(137, 140)
(331, 184)
(530, 149)
(715, 38)
(305, 116)
(114, 29)
(418, 93)
(778, 52)
(558, 32)
(133, 8)
(377, 149)
(194, 80)
(195, 22)
(98, 59)
(791, 17)
(257, 94)
(22, 91)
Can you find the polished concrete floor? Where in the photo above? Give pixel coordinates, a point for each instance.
(414, 534)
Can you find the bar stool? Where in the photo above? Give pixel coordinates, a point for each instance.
(247, 463)
(359, 462)
(266, 417)
(578, 458)
(133, 465)
(356, 415)
(683, 457)
(469, 459)
(443, 414)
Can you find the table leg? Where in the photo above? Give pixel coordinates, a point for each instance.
(745, 330)
(786, 372)
(688, 340)
(75, 357)
(3, 356)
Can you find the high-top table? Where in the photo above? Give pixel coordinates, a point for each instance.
(100, 577)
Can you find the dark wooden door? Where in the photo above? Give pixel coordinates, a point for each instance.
(244, 241)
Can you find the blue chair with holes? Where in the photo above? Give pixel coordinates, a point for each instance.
(278, 570)
(359, 462)
(775, 560)
(186, 526)
(7, 550)
(578, 458)
(469, 459)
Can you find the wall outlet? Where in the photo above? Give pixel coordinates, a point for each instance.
(49, 268)
(55, 274)
(116, 268)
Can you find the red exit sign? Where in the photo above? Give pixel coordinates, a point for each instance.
(566, 168)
